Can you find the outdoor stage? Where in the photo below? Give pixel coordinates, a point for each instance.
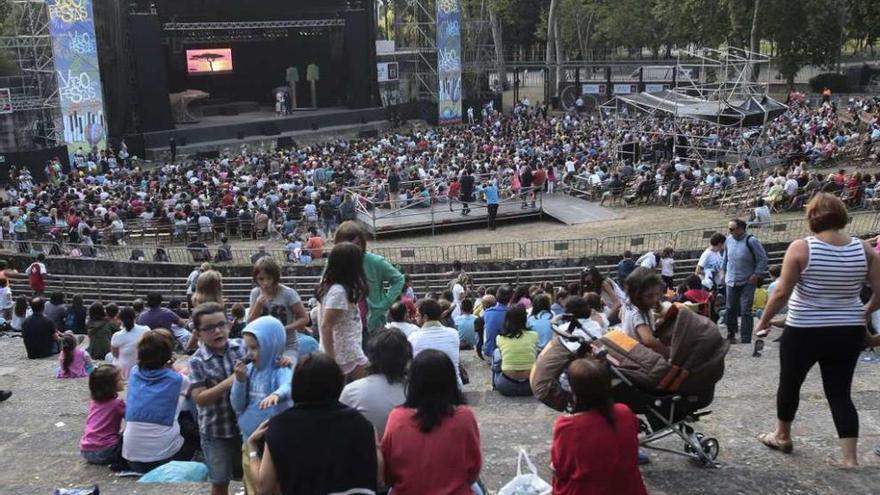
(562, 207)
(254, 128)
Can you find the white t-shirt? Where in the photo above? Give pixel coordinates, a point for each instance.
(6, 301)
(457, 294)
(347, 336)
(711, 262)
(149, 442)
(667, 267)
(374, 397)
(404, 326)
(632, 317)
(441, 338)
(126, 341)
(648, 260)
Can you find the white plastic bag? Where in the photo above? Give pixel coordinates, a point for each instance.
(526, 484)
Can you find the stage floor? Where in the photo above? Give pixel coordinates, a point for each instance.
(266, 114)
(562, 207)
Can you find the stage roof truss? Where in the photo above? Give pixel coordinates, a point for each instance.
(213, 26)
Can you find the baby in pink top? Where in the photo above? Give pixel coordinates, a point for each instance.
(101, 442)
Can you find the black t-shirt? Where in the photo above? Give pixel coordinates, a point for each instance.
(322, 448)
(467, 186)
(526, 178)
(394, 183)
(38, 333)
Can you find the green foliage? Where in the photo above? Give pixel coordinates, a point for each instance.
(837, 83)
(805, 32)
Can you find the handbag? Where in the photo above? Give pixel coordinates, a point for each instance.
(526, 484)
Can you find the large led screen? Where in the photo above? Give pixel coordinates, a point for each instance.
(209, 61)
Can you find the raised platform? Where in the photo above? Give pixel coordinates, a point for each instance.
(575, 211)
(562, 207)
(231, 131)
(385, 222)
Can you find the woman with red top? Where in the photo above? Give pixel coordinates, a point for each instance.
(431, 442)
(595, 449)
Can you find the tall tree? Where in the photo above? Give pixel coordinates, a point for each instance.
(805, 32)
(551, 46)
(497, 43)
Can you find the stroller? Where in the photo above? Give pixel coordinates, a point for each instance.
(670, 394)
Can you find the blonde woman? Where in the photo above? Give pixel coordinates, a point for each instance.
(209, 288)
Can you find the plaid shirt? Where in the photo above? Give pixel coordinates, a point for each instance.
(207, 369)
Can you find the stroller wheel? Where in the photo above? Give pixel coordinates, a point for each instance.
(710, 448)
(687, 447)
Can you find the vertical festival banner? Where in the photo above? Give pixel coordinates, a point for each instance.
(74, 47)
(449, 61)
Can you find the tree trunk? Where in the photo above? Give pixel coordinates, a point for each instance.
(754, 42)
(498, 42)
(548, 58)
(588, 43)
(557, 40)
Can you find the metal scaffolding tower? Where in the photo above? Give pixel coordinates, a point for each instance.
(34, 92)
(415, 34)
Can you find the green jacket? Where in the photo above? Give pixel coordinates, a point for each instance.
(379, 271)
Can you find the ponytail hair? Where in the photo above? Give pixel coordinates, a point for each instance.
(68, 345)
(591, 388)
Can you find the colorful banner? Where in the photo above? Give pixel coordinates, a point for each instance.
(449, 61)
(72, 28)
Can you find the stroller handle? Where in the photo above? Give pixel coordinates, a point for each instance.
(586, 344)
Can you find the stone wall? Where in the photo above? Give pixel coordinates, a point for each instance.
(106, 268)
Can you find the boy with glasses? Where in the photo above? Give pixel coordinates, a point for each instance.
(212, 374)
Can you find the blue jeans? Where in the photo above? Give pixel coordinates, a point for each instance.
(739, 305)
(106, 456)
(505, 385)
(223, 457)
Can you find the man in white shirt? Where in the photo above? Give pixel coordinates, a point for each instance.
(433, 335)
(791, 186)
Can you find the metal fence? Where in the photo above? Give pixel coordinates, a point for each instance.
(638, 243)
(560, 248)
(861, 224)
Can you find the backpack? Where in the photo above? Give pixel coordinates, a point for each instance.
(69, 320)
(760, 281)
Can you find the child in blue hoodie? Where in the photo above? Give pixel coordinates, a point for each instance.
(261, 388)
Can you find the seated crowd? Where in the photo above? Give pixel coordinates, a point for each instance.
(279, 402)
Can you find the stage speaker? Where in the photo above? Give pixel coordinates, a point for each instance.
(229, 110)
(285, 142)
(314, 126)
(208, 155)
(269, 129)
(360, 56)
(150, 76)
(239, 134)
(368, 134)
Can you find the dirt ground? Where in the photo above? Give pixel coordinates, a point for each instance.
(43, 421)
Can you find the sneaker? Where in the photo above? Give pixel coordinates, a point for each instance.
(732, 339)
(644, 458)
(5, 394)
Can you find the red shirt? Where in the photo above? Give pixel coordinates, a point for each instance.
(445, 461)
(315, 245)
(591, 458)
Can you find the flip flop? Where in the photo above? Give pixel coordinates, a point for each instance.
(836, 463)
(770, 441)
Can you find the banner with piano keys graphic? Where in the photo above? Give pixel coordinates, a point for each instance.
(72, 29)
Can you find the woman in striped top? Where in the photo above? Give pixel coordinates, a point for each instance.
(822, 276)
